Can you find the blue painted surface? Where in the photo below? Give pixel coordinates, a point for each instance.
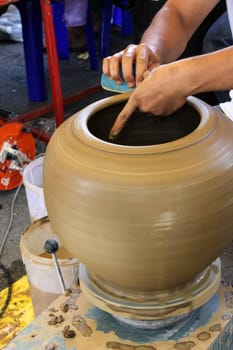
(35, 343)
(106, 323)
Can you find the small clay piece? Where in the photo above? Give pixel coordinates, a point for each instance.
(55, 320)
(53, 310)
(68, 292)
(226, 317)
(64, 307)
(215, 328)
(186, 345)
(68, 333)
(80, 323)
(51, 347)
(203, 336)
(120, 346)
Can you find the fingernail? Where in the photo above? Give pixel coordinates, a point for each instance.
(119, 82)
(113, 135)
(130, 85)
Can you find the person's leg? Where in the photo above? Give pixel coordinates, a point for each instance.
(218, 37)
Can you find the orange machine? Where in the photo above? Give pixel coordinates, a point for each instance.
(17, 148)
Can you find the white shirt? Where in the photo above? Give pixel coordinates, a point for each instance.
(230, 13)
(227, 107)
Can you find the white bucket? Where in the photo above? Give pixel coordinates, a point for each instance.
(44, 282)
(33, 182)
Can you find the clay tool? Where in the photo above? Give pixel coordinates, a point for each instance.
(51, 246)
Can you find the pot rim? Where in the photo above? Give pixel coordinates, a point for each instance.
(207, 124)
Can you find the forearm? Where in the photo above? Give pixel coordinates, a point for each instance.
(173, 26)
(167, 41)
(211, 72)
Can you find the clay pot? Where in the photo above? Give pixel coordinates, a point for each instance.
(152, 211)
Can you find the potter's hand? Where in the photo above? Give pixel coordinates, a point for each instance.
(162, 92)
(120, 66)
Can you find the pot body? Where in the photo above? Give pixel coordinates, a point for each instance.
(142, 218)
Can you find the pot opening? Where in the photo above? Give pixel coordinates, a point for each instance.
(144, 129)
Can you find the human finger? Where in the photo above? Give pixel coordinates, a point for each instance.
(142, 62)
(121, 119)
(111, 67)
(128, 63)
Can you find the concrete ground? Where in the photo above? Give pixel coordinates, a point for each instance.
(76, 76)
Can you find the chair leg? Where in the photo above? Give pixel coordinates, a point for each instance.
(126, 25)
(90, 39)
(53, 61)
(106, 24)
(61, 32)
(33, 48)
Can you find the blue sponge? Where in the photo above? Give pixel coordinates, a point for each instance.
(111, 85)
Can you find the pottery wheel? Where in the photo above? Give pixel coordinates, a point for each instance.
(172, 304)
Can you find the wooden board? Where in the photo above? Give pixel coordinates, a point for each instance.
(208, 328)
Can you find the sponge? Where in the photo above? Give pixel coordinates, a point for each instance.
(111, 85)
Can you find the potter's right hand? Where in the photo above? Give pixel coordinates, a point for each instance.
(120, 66)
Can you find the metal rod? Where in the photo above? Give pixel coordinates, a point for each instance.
(59, 273)
(51, 246)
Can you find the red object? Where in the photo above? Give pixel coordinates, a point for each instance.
(17, 148)
(52, 57)
(55, 81)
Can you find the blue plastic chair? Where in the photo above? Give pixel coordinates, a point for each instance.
(30, 12)
(61, 34)
(112, 14)
(31, 18)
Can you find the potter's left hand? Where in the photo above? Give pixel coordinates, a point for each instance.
(162, 92)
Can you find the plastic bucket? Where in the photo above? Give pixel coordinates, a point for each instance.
(33, 182)
(42, 275)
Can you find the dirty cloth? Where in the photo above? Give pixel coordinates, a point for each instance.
(10, 25)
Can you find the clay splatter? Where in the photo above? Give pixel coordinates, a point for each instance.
(55, 320)
(226, 317)
(68, 333)
(80, 323)
(215, 328)
(73, 295)
(203, 336)
(186, 345)
(64, 307)
(229, 299)
(51, 347)
(120, 346)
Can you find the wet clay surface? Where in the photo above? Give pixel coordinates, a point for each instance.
(134, 215)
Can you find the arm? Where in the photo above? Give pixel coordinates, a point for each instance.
(173, 26)
(167, 87)
(163, 41)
